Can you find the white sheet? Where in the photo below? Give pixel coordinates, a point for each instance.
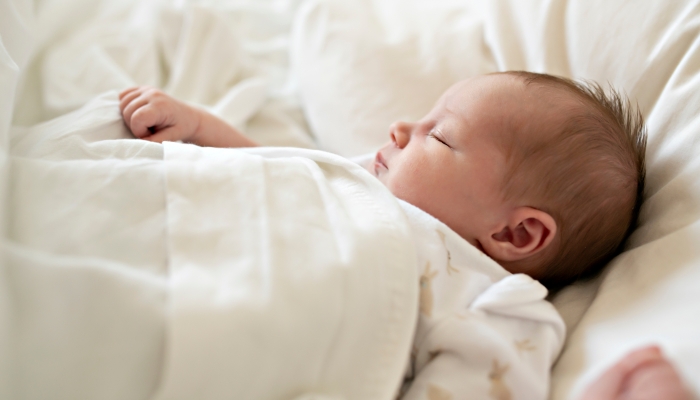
(365, 63)
(228, 56)
(13, 51)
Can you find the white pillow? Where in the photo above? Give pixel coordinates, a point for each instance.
(365, 63)
(362, 65)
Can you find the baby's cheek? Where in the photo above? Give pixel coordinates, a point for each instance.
(411, 184)
(399, 190)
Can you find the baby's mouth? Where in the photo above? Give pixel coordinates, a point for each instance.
(379, 163)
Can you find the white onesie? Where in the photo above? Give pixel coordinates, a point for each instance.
(482, 332)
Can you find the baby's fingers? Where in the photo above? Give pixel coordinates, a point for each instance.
(134, 106)
(637, 359)
(610, 384)
(125, 100)
(144, 120)
(170, 134)
(127, 91)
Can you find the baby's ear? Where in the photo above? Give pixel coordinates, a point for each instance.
(526, 232)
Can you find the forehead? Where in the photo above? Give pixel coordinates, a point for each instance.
(505, 106)
(480, 107)
(497, 95)
(485, 87)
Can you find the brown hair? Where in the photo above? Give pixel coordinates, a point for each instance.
(590, 179)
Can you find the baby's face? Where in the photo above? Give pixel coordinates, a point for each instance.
(450, 163)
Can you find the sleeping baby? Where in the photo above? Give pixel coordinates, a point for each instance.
(539, 173)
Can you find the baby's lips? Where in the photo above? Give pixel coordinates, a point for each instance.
(380, 159)
(379, 164)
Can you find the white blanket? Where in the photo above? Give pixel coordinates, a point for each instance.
(222, 273)
(291, 273)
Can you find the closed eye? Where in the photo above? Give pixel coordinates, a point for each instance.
(438, 138)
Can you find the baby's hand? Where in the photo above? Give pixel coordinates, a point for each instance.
(643, 374)
(155, 116)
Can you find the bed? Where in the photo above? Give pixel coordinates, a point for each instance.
(329, 75)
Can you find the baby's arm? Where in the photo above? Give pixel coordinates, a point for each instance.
(155, 116)
(643, 374)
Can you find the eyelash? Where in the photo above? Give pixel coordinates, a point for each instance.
(432, 135)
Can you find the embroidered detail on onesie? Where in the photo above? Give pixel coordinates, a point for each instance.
(524, 345)
(435, 392)
(499, 390)
(426, 290)
(450, 268)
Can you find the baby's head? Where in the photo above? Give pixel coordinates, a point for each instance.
(542, 174)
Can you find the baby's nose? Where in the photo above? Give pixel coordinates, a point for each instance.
(400, 133)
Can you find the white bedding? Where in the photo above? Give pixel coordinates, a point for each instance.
(267, 273)
(340, 72)
(183, 272)
(87, 281)
(292, 273)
